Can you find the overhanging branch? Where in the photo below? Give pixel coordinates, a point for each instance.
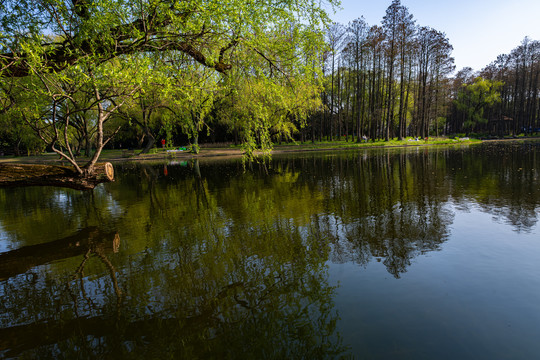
(141, 35)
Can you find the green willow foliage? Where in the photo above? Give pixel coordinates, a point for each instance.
(475, 97)
(108, 52)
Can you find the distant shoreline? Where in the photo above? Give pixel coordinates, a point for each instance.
(123, 155)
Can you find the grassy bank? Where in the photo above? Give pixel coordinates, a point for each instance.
(232, 151)
(326, 145)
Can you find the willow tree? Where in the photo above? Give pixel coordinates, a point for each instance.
(57, 101)
(51, 37)
(280, 89)
(474, 98)
(189, 92)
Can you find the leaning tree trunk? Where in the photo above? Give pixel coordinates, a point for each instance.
(151, 141)
(18, 175)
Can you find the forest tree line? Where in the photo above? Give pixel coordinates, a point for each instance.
(248, 74)
(516, 78)
(396, 80)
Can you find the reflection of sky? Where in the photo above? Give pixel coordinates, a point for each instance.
(520, 217)
(477, 298)
(66, 200)
(4, 240)
(62, 201)
(113, 207)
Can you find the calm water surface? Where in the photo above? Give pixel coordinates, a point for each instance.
(376, 254)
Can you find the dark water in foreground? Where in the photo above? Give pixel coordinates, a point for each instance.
(409, 254)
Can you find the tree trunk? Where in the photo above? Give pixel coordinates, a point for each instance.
(151, 140)
(87, 144)
(195, 145)
(19, 175)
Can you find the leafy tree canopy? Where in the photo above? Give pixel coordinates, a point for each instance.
(59, 33)
(474, 98)
(114, 50)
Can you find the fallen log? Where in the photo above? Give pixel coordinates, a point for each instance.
(17, 175)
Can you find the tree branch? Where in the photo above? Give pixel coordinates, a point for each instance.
(119, 40)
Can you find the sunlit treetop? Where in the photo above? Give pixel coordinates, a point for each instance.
(58, 33)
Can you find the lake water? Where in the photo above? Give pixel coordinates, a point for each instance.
(417, 253)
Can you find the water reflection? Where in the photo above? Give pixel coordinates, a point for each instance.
(387, 207)
(85, 242)
(186, 281)
(218, 260)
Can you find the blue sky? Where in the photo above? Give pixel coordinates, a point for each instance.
(479, 30)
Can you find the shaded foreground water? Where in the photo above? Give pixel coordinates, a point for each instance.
(410, 253)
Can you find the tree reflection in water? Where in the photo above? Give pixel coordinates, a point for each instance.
(218, 260)
(192, 288)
